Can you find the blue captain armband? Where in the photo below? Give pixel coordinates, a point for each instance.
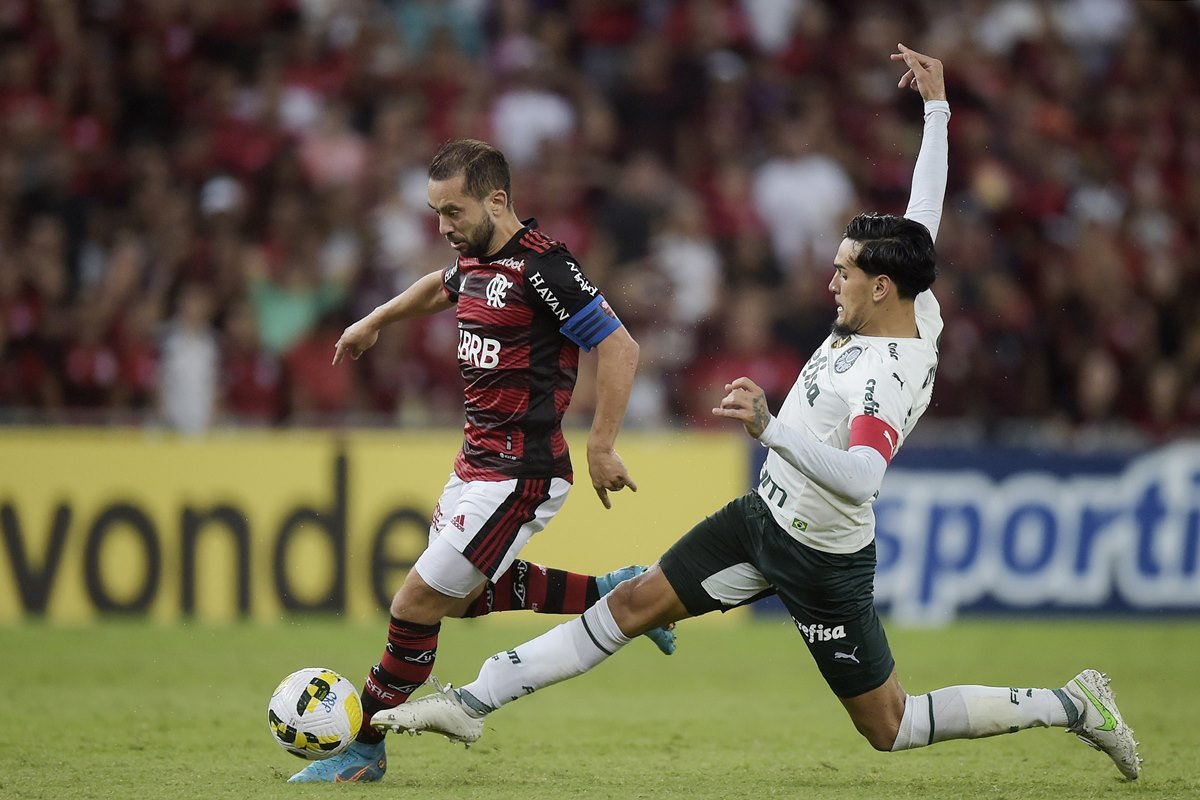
(592, 324)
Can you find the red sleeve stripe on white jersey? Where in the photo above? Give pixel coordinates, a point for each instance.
(875, 434)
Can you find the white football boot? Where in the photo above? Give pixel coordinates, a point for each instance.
(1100, 724)
(441, 712)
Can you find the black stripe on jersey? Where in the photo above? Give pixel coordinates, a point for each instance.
(478, 378)
(545, 347)
(485, 420)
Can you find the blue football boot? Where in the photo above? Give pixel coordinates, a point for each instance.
(359, 762)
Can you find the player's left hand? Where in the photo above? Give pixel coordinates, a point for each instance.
(608, 473)
(746, 402)
(924, 73)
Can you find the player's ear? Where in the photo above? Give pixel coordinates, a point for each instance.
(883, 285)
(497, 202)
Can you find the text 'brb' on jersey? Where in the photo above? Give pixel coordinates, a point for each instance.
(890, 379)
(523, 314)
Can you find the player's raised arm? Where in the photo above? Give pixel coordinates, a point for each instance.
(426, 296)
(924, 75)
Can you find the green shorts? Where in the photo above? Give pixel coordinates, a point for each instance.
(740, 554)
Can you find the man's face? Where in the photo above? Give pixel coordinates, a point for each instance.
(852, 289)
(463, 220)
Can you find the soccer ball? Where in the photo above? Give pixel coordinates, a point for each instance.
(314, 713)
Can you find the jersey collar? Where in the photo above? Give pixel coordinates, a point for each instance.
(513, 246)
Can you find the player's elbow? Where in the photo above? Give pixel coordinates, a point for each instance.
(869, 468)
(630, 348)
(620, 348)
(633, 351)
(860, 497)
(860, 493)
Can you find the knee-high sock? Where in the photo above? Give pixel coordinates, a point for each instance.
(973, 712)
(526, 585)
(562, 652)
(407, 662)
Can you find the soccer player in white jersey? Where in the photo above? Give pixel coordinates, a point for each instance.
(807, 533)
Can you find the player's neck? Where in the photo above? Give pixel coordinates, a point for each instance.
(506, 228)
(895, 320)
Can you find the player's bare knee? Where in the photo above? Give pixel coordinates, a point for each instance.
(417, 601)
(634, 606)
(623, 604)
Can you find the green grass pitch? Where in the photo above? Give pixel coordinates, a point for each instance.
(134, 710)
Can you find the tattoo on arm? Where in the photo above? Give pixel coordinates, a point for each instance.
(762, 414)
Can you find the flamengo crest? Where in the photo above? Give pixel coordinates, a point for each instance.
(497, 289)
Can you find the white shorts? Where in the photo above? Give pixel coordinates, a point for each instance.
(479, 527)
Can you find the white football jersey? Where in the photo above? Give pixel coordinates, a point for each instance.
(888, 378)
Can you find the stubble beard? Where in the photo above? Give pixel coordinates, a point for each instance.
(481, 240)
(841, 330)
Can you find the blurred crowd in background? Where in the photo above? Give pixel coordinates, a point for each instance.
(197, 197)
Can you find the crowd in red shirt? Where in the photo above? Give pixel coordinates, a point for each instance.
(195, 198)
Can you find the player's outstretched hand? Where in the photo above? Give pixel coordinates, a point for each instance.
(608, 473)
(355, 340)
(924, 73)
(747, 403)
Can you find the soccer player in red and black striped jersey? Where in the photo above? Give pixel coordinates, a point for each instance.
(524, 309)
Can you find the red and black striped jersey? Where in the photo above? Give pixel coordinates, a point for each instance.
(523, 314)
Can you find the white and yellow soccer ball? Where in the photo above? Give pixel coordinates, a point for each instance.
(314, 713)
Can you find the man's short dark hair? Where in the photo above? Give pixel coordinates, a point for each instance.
(482, 166)
(898, 247)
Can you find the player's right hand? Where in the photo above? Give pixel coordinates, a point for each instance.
(355, 340)
(747, 403)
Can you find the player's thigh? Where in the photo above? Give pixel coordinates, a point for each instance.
(442, 583)
(711, 568)
(487, 523)
(831, 598)
(453, 490)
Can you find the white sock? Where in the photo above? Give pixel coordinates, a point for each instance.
(563, 652)
(973, 712)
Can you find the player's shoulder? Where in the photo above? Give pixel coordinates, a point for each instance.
(900, 350)
(541, 247)
(899, 365)
(557, 264)
(852, 355)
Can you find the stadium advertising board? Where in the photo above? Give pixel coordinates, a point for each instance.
(1019, 532)
(264, 525)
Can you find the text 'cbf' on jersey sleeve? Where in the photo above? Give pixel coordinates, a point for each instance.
(583, 314)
